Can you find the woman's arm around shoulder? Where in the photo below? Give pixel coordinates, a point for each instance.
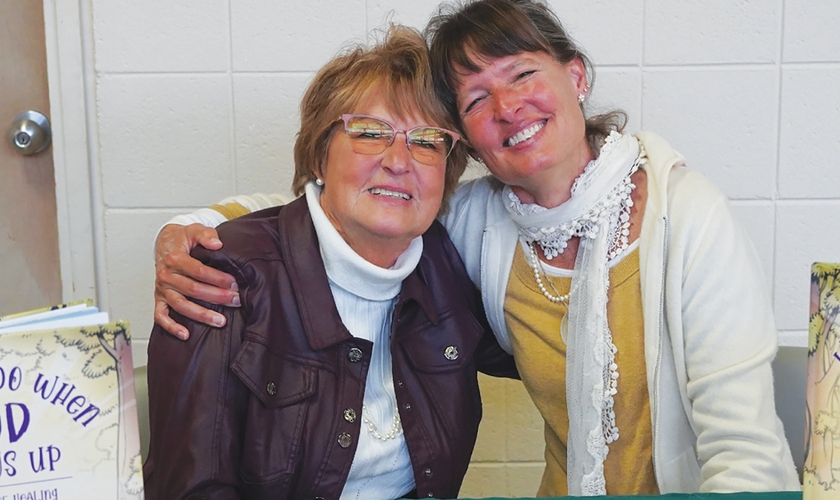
(179, 277)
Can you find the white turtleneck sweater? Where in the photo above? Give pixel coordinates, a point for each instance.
(365, 296)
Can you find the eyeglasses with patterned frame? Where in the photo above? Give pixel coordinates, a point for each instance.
(371, 136)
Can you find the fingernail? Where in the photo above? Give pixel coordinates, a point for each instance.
(183, 334)
(234, 286)
(219, 320)
(235, 302)
(215, 241)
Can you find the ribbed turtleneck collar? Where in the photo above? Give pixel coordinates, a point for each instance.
(347, 269)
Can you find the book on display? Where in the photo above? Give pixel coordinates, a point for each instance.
(821, 471)
(68, 418)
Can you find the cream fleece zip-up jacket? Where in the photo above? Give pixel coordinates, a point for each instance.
(710, 335)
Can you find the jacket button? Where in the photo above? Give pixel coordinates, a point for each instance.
(345, 440)
(451, 353)
(427, 472)
(399, 383)
(271, 388)
(430, 495)
(355, 355)
(319, 498)
(407, 407)
(350, 415)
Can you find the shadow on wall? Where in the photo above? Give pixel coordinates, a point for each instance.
(141, 392)
(789, 375)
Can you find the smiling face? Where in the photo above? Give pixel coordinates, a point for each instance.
(521, 116)
(379, 203)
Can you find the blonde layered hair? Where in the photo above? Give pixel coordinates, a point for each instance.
(397, 70)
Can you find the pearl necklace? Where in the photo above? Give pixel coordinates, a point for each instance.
(553, 241)
(396, 427)
(537, 266)
(597, 212)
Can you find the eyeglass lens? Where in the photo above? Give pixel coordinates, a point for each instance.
(369, 136)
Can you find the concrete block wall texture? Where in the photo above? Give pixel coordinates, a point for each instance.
(198, 99)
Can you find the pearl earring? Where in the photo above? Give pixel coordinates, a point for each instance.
(582, 95)
(319, 182)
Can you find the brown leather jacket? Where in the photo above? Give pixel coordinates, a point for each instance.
(261, 409)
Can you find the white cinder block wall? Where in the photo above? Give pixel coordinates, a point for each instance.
(197, 99)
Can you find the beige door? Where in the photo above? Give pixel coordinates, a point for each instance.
(29, 262)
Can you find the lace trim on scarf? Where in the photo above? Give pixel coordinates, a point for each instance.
(599, 213)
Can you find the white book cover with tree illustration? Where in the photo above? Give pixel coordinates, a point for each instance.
(68, 418)
(822, 419)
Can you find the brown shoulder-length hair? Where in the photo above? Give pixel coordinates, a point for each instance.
(497, 28)
(396, 70)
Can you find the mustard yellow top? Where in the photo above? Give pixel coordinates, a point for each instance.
(231, 210)
(534, 324)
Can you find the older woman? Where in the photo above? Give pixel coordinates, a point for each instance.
(349, 371)
(631, 298)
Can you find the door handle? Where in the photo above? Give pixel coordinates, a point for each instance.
(30, 133)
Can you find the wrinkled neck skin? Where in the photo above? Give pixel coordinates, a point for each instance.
(546, 192)
(553, 187)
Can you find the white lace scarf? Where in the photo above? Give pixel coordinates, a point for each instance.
(598, 212)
